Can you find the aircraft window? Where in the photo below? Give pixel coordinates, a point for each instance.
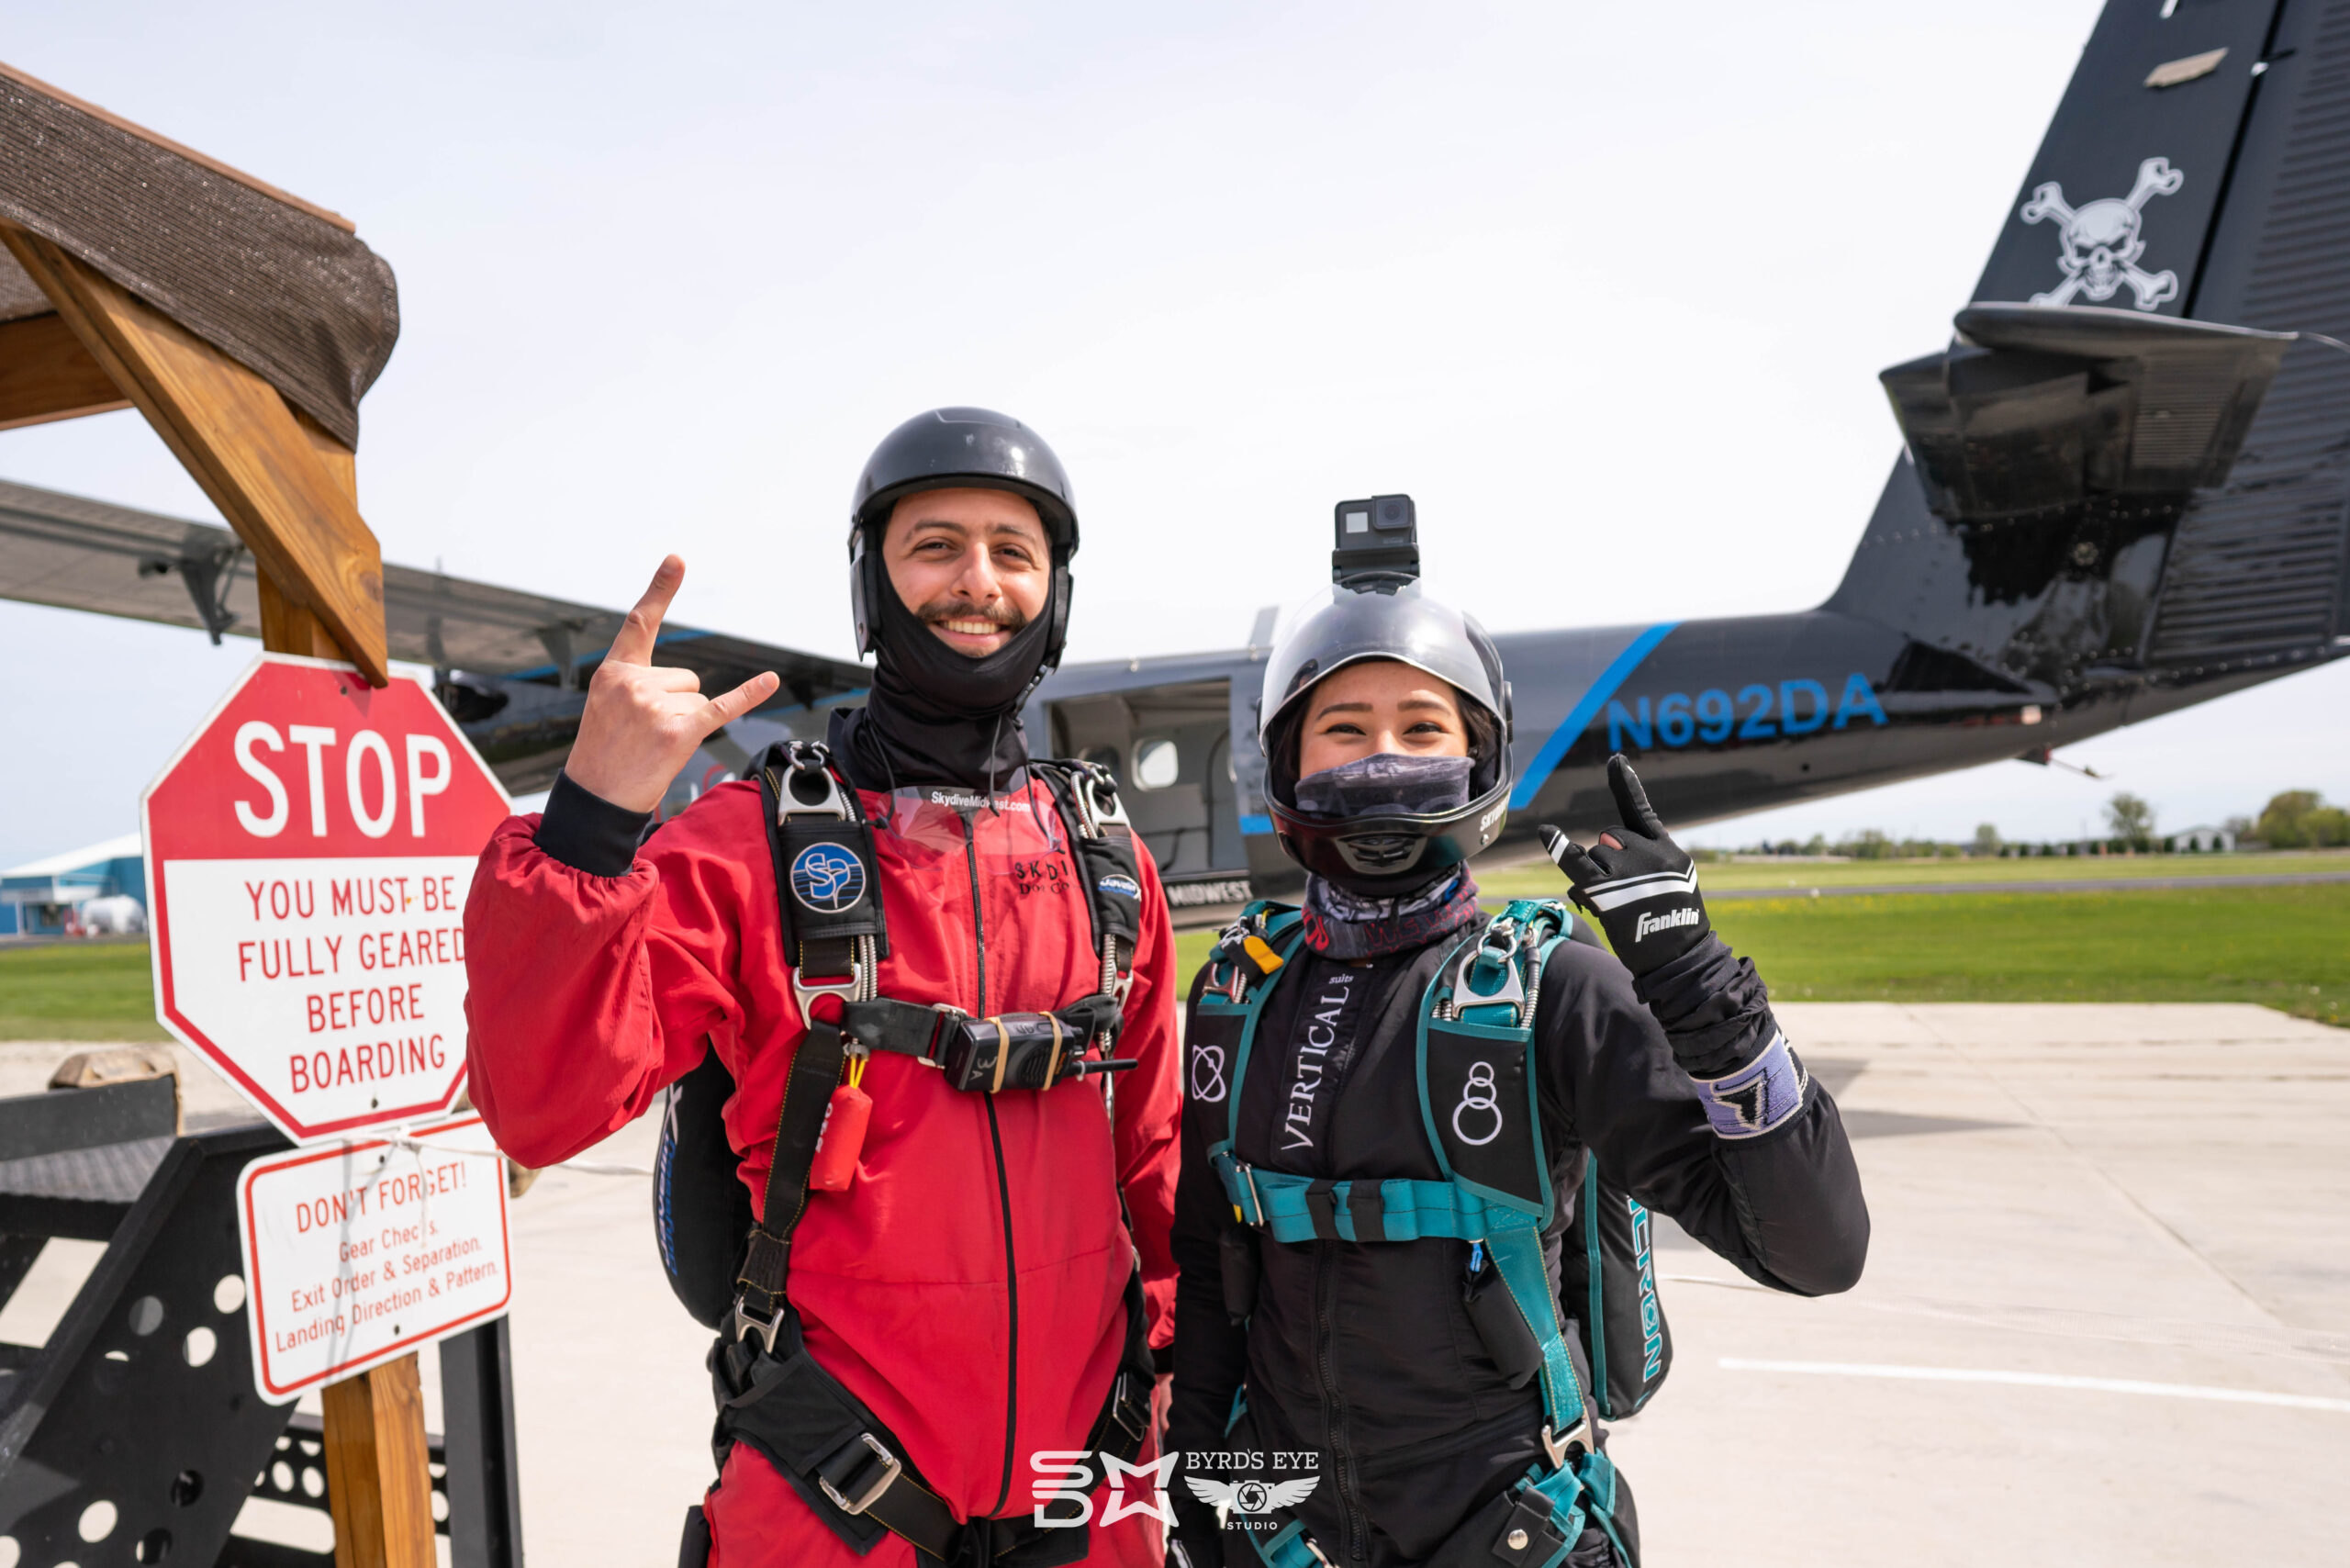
(1156, 765)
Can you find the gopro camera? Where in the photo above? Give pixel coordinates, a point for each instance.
(1021, 1050)
(1378, 547)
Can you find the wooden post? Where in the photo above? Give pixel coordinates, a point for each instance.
(290, 490)
(378, 1487)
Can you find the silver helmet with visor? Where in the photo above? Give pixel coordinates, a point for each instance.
(1376, 610)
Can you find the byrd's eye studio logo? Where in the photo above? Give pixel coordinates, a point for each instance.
(1647, 923)
(827, 879)
(1252, 1496)
(1067, 1481)
(1247, 1502)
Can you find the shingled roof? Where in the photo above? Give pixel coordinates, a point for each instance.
(283, 287)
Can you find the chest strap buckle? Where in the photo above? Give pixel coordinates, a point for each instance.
(1495, 950)
(1556, 1448)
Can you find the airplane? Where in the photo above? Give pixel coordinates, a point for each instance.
(2121, 491)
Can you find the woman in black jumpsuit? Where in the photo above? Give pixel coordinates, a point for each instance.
(1363, 1355)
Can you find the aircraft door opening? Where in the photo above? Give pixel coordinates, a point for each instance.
(1170, 747)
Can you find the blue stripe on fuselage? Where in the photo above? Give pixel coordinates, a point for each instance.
(1537, 772)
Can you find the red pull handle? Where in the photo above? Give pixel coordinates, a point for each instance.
(841, 1140)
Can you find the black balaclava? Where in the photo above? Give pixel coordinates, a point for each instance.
(936, 716)
(1340, 925)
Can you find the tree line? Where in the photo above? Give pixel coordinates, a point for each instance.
(2293, 818)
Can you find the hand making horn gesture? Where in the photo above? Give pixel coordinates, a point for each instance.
(642, 721)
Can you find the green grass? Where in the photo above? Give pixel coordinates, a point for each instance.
(1190, 952)
(2285, 948)
(1538, 879)
(73, 991)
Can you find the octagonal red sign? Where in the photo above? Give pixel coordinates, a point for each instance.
(308, 851)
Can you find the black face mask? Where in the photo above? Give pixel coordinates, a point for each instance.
(937, 716)
(924, 676)
(1386, 784)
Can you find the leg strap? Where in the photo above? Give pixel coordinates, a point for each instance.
(853, 1472)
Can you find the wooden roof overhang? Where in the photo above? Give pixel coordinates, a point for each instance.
(244, 323)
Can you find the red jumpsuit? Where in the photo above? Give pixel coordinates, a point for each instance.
(968, 1286)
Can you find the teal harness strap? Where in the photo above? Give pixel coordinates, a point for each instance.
(1288, 1207)
(1238, 997)
(1291, 1547)
(1480, 994)
(1490, 965)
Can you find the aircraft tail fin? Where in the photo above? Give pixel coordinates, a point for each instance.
(2138, 463)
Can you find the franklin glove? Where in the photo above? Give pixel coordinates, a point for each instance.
(1640, 884)
(1712, 1006)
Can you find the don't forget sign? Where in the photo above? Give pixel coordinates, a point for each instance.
(359, 1252)
(308, 853)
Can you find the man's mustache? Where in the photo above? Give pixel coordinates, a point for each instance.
(1003, 613)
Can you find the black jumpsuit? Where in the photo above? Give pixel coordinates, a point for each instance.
(1364, 1353)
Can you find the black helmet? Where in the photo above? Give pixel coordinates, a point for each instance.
(947, 448)
(1389, 854)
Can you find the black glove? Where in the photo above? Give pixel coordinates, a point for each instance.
(1636, 880)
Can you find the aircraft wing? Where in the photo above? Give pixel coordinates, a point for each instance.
(509, 663)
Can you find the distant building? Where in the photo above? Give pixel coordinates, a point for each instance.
(2203, 841)
(38, 898)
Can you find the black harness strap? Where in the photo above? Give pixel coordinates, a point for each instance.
(807, 1094)
(1103, 844)
(826, 888)
(909, 1028)
(834, 1451)
(853, 1472)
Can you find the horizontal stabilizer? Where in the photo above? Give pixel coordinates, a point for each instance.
(2035, 407)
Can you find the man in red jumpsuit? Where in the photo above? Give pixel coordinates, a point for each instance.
(969, 1284)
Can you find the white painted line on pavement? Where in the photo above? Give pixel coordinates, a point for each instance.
(1712, 1280)
(2045, 1380)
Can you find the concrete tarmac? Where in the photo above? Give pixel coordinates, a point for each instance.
(2099, 1196)
(2106, 1319)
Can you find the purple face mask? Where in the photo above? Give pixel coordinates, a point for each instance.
(1387, 784)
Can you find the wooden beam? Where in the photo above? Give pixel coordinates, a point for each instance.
(290, 628)
(287, 627)
(379, 1488)
(46, 373)
(240, 440)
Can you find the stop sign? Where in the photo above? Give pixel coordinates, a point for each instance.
(307, 854)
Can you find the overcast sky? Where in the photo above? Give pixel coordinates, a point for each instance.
(1605, 289)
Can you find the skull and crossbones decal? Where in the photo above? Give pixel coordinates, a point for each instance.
(2104, 238)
